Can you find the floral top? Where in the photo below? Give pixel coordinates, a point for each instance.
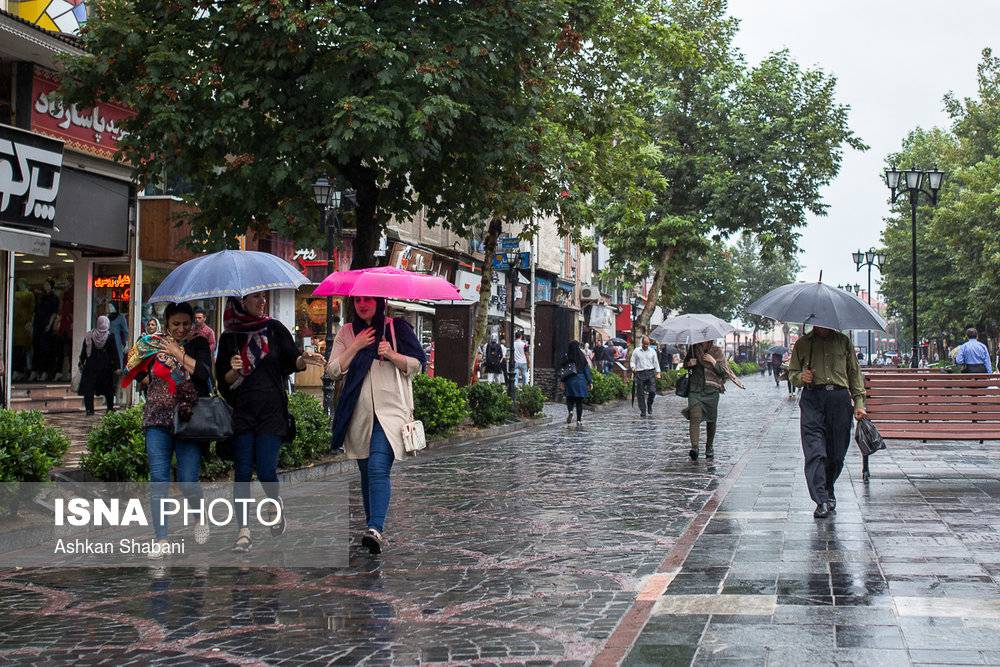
(160, 402)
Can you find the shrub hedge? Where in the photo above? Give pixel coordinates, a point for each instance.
(439, 403)
(29, 447)
(530, 401)
(607, 387)
(116, 448)
(488, 403)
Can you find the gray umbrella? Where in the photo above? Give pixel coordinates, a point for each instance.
(777, 349)
(691, 329)
(817, 304)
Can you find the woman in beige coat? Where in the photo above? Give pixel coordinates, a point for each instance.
(379, 357)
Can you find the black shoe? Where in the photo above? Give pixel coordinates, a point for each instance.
(89, 413)
(832, 502)
(709, 452)
(569, 418)
(374, 541)
(278, 529)
(642, 415)
(693, 454)
(822, 511)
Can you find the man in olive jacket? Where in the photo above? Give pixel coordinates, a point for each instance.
(824, 365)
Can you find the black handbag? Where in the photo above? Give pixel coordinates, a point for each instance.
(683, 387)
(868, 438)
(211, 419)
(568, 370)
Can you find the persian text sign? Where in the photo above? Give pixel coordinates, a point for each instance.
(95, 130)
(30, 166)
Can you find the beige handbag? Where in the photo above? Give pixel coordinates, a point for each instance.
(414, 438)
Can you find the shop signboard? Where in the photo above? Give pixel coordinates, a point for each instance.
(30, 169)
(500, 261)
(468, 284)
(95, 130)
(509, 243)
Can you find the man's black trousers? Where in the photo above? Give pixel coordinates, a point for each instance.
(645, 389)
(825, 423)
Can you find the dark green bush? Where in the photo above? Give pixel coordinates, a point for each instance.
(439, 403)
(488, 403)
(608, 387)
(312, 432)
(116, 448)
(530, 400)
(29, 448)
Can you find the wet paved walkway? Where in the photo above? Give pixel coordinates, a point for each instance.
(583, 546)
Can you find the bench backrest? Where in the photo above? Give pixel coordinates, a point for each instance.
(939, 406)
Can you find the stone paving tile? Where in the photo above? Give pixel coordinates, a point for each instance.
(907, 572)
(528, 550)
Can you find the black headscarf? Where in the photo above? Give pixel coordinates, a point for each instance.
(575, 354)
(358, 370)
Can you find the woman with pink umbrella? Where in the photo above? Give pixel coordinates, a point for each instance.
(378, 356)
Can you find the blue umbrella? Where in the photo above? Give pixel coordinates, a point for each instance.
(227, 273)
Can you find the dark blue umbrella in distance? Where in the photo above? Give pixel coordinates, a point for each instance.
(227, 273)
(817, 304)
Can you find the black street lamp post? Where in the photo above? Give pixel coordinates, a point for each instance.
(329, 199)
(870, 258)
(513, 258)
(913, 181)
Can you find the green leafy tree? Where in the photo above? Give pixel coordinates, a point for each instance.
(760, 270)
(745, 150)
(250, 101)
(708, 283)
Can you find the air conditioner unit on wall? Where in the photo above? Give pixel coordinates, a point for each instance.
(590, 293)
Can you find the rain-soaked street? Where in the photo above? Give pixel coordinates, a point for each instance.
(576, 546)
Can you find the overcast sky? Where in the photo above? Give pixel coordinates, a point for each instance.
(894, 62)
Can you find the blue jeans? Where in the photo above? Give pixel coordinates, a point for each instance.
(521, 374)
(161, 447)
(376, 487)
(260, 451)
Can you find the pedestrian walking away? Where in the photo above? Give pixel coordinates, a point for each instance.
(785, 360)
(179, 370)
(973, 356)
(372, 351)
(493, 359)
(709, 372)
(520, 351)
(100, 364)
(824, 365)
(776, 368)
(645, 365)
(577, 381)
(256, 356)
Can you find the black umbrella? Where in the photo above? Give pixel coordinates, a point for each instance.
(817, 304)
(778, 349)
(620, 342)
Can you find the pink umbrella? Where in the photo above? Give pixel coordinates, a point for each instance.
(388, 282)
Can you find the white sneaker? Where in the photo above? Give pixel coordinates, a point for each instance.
(201, 532)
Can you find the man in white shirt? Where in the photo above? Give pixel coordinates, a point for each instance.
(645, 365)
(520, 359)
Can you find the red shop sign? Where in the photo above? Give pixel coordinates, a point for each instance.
(95, 130)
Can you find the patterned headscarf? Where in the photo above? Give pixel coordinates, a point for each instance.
(256, 347)
(99, 335)
(146, 356)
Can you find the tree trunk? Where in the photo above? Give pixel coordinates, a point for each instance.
(368, 231)
(659, 277)
(485, 290)
(756, 352)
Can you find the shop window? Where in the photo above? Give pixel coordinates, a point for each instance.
(42, 333)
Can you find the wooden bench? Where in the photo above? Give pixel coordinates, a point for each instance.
(933, 406)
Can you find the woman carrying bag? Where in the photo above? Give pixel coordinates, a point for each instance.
(256, 354)
(574, 371)
(379, 357)
(179, 371)
(100, 362)
(708, 372)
